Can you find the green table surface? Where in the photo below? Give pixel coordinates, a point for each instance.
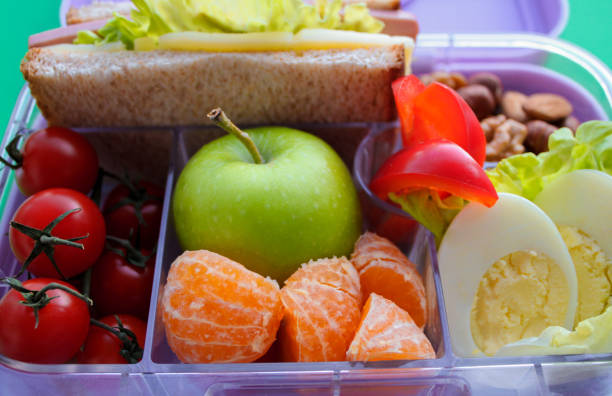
(588, 26)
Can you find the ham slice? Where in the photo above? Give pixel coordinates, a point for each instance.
(62, 35)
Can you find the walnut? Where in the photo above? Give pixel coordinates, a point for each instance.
(452, 80)
(507, 140)
(490, 124)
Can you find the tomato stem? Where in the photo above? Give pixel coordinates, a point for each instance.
(222, 121)
(87, 282)
(45, 242)
(130, 350)
(37, 299)
(136, 198)
(131, 254)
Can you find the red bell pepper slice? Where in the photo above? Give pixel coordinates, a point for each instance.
(405, 90)
(437, 111)
(439, 165)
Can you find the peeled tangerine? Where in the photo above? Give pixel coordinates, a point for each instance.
(385, 270)
(216, 311)
(506, 275)
(322, 303)
(387, 332)
(580, 204)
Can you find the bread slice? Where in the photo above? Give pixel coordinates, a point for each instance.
(96, 11)
(164, 88)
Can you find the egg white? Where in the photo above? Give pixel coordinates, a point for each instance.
(479, 236)
(581, 199)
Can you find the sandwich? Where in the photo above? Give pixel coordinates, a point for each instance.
(279, 62)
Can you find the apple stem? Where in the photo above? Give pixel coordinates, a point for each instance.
(222, 121)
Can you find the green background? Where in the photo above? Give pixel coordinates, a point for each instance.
(588, 26)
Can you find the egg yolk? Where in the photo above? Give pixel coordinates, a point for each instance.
(593, 270)
(519, 296)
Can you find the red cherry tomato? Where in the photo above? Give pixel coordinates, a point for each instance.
(439, 165)
(436, 111)
(120, 213)
(120, 287)
(103, 347)
(41, 209)
(57, 157)
(62, 327)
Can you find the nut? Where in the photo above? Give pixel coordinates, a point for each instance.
(490, 124)
(491, 81)
(452, 80)
(547, 107)
(479, 98)
(512, 106)
(538, 132)
(572, 123)
(507, 140)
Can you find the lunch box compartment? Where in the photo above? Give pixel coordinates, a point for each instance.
(364, 149)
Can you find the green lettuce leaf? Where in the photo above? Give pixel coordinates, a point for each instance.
(426, 207)
(527, 174)
(153, 18)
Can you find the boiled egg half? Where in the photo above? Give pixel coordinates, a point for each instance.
(506, 275)
(580, 203)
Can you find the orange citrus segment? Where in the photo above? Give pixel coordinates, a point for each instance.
(322, 309)
(216, 310)
(385, 270)
(337, 273)
(370, 247)
(387, 332)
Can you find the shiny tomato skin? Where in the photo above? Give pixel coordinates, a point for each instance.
(122, 221)
(102, 347)
(120, 287)
(439, 165)
(62, 328)
(41, 209)
(57, 157)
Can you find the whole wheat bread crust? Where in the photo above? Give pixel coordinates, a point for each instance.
(159, 88)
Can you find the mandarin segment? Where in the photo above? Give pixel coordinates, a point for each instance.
(370, 247)
(385, 270)
(322, 303)
(216, 310)
(387, 332)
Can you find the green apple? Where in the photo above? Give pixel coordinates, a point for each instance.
(299, 204)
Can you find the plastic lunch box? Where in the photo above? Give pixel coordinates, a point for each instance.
(159, 372)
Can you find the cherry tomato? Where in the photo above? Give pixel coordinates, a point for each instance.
(62, 325)
(40, 210)
(120, 212)
(103, 347)
(120, 287)
(436, 111)
(56, 157)
(439, 165)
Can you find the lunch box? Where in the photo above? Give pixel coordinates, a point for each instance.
(160, 372)
(518, 59)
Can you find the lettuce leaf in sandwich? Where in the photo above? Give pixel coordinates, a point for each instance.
(154, 18)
